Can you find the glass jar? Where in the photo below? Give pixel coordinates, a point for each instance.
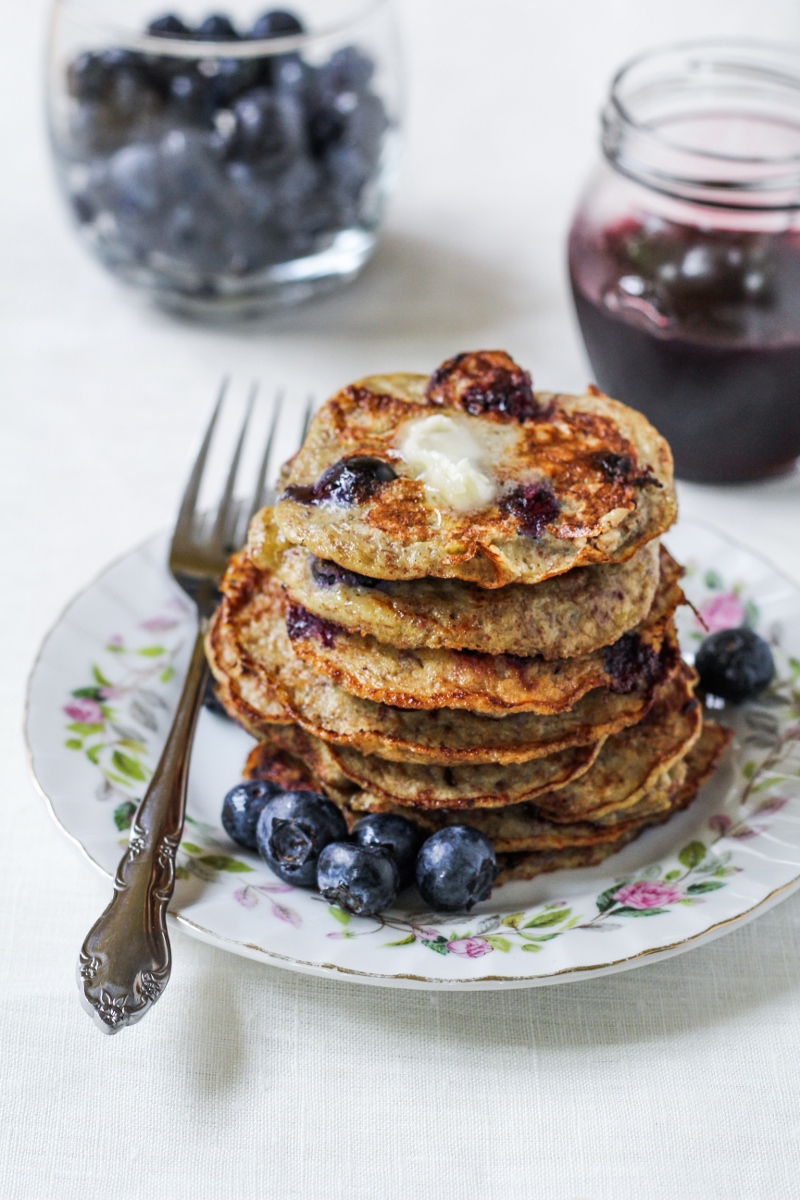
(684, 254)
(226, 164)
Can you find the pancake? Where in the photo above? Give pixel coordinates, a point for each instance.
(630, 762)
(620, 770)
(481, 683)
(504, 486)
(251, 655)
(341, 771)
(700, 764)
(570, 615)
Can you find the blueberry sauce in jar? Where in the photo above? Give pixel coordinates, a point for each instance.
(684, 256)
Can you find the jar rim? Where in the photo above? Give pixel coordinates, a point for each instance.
(739, 79)
(84, 13)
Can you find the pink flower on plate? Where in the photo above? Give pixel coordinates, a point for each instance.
(84, 711)
(647, 893)
(471, 947)
(722, 612)
(159, 624)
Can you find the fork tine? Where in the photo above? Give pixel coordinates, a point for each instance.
(307, 417)
(224, 526)
(260, 493)
(185, 521)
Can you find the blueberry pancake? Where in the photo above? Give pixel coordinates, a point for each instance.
(564, 617)
(471, 475)
(482, 683)
(605, 788)
(251, 654)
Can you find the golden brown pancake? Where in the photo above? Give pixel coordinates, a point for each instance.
(564, 481)
(564, 617)
(482, 683)
(264, 682)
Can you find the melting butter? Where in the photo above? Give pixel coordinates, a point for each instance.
(444, 455)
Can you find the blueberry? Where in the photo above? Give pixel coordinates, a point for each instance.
(735, 664)
(242, 807)
(354, 480)
(293, 830)
(269, 129)
(456, 868)
(347, 70)
(168, 26)
(399, 837)
(360, 879)
(134, 179)
(216, 28)
(276, 23)
(533, 505)
(88, 77)
(327, 574)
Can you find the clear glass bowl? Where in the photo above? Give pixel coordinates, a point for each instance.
(228, 164)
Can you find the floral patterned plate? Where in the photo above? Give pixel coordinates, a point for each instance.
(100, 700)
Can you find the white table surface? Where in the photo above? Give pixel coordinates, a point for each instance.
(677, 1079)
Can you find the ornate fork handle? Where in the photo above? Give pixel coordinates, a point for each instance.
(125, 961)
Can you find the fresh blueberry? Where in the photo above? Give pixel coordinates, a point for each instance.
(168, 26)
(399, 837)
(276, 23)
(456, 868)
(292, 832)
(269, 129)
(354, 480)
(242, 807)
(735, 664)
(347, 70)
(88, 77)
(360, 879)
(135, 181)
(216, 28)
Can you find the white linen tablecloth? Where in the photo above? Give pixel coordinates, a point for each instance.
(679, 1079)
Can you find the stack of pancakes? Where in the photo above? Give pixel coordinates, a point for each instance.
(459, 610)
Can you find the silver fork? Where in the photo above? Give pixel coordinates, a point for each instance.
(125, 961)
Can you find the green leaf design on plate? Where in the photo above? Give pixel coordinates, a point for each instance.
(73, 744)
(191, 848)
(438, 944)
(406, 941)
(128, 766)
(341, 916)
(123, 815)
(543, 920)
(532, 947)
(221, 862)
(498, 943)
(708, 885)
(606, 899)
(166, 674)
(512, 920)
(93, 753)
(692, 855)
(712, 580)
(85, 728)
(627, 910)
(151, 651)
(86, 693)
(99, 677)
(670, 875)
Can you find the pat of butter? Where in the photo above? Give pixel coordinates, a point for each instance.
(448, 460)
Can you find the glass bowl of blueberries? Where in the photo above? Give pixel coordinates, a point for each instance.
(226, 163)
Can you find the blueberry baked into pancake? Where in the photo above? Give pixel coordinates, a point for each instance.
(453, 634)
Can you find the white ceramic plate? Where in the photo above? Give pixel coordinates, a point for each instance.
(100, 701)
